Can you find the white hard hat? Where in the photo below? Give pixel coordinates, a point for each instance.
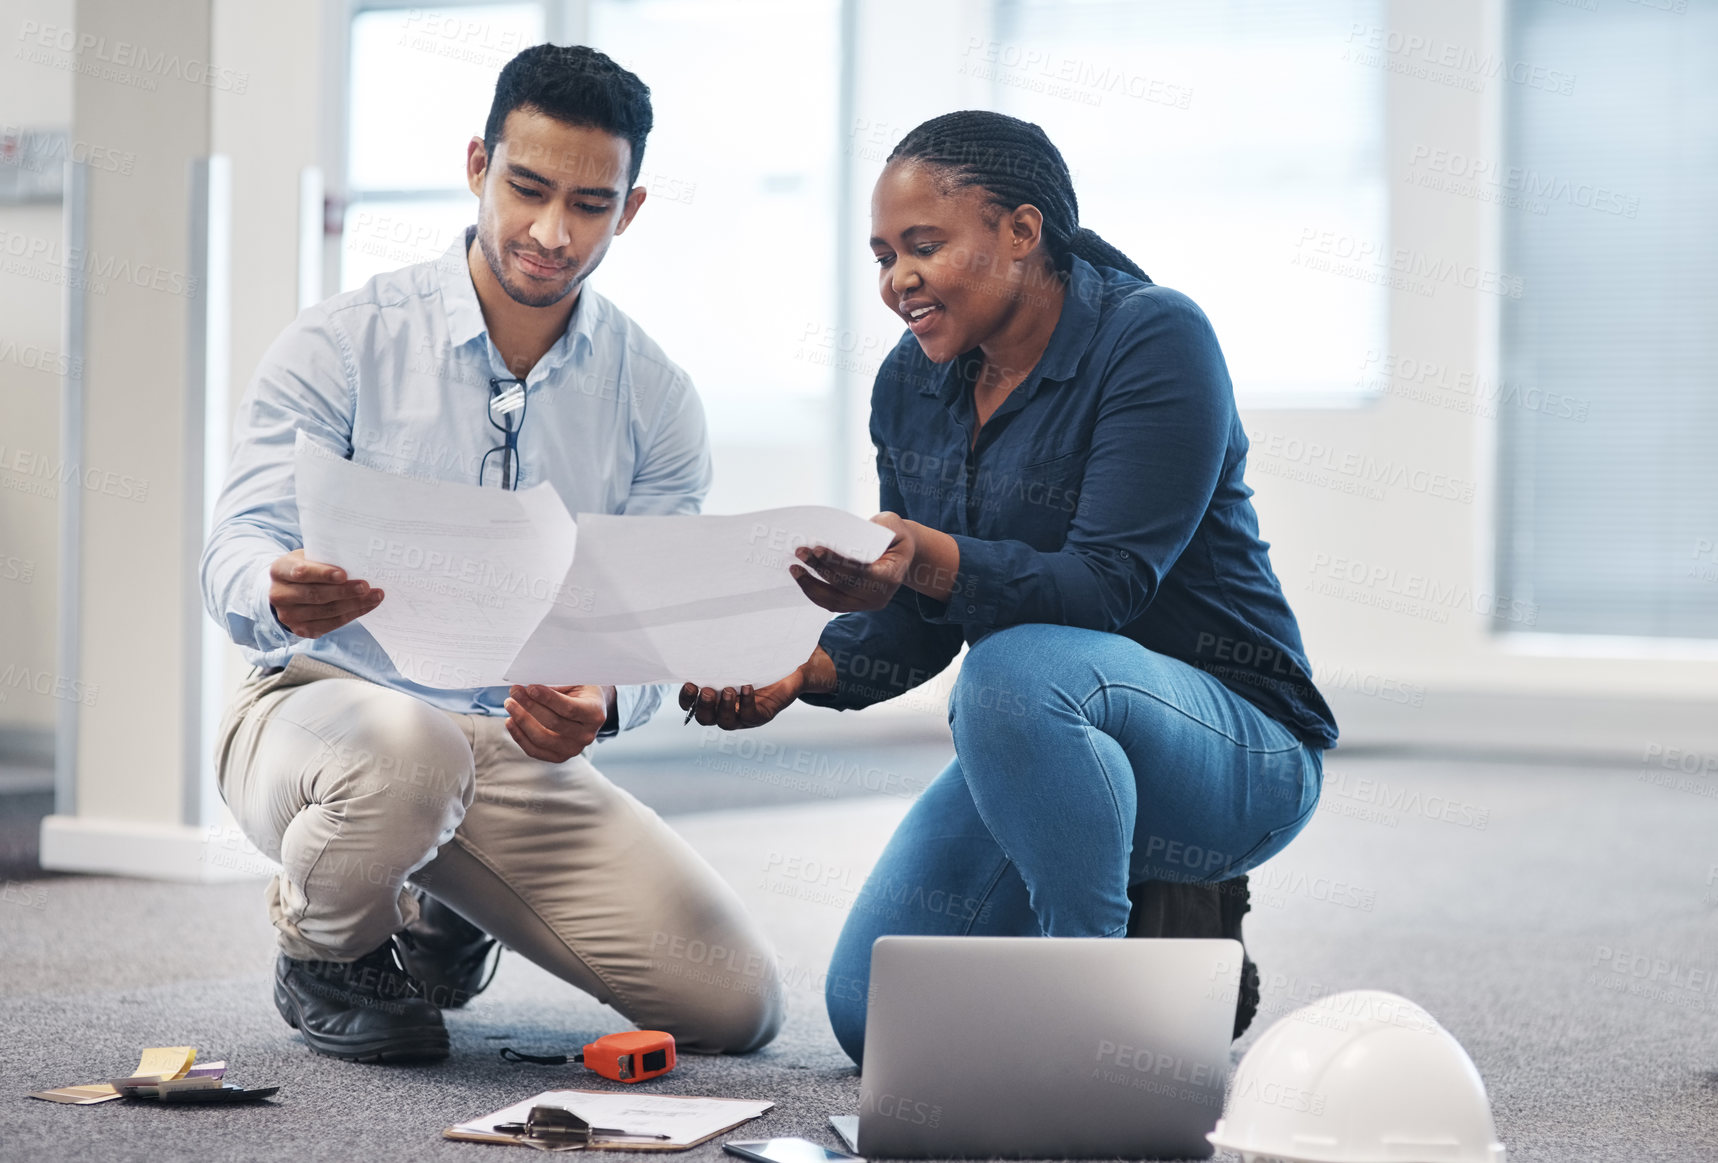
(1358, 1077)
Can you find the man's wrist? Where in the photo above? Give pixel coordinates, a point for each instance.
(277, 630)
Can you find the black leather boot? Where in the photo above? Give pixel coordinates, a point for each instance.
(447, 954)
(368, 1010)
(1166, 908)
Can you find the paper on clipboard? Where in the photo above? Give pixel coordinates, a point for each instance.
(685, 1119)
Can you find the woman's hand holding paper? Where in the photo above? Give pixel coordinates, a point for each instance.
(843, 585)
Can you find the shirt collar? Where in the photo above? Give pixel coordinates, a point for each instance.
(465, 315)
(1068, 342)
(1074, 330)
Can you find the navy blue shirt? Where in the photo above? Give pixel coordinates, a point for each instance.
(1105, 492)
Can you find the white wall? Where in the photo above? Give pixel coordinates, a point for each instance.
(31, 97)
(1323, 538)
(135, 743)
(169, 87)
(271, 132)
(166, 89)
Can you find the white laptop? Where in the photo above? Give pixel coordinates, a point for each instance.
(1046, 1047)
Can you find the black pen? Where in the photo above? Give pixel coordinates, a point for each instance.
(604, 1132)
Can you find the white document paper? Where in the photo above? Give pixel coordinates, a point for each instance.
(684, 1120)
(484, 586)
(467, 573)
(693, 599)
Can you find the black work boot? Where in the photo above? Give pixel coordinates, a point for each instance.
(447, 954)
(1235, 898)
(1168, 908)
(368, 1010)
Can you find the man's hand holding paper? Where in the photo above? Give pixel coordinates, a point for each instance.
(555, 723)
(312, 598)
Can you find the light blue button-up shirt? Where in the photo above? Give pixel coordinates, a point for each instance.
(396, 374)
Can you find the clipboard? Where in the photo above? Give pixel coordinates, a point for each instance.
(714, 1122)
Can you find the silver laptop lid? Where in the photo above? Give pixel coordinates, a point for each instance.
(1035, 1047)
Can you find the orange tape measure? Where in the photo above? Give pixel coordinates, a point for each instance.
(633, 1056)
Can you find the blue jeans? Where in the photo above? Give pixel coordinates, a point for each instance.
(1083, 763)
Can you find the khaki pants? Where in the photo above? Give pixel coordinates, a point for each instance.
(357, 789)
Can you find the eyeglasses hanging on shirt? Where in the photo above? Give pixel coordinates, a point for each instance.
(507, 415)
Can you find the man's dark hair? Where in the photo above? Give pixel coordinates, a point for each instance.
(576, 85)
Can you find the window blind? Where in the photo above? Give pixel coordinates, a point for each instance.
(1608, 400)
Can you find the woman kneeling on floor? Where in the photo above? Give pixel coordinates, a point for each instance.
(1061, 463)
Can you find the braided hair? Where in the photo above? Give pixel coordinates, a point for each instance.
(1015, 162)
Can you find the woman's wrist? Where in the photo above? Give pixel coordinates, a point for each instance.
(936, 561)
(817, 674)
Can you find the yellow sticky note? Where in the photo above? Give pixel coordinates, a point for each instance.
(165, 1062)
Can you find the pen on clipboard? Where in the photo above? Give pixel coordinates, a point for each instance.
(603, 1132)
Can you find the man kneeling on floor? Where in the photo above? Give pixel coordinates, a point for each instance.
(418, 818)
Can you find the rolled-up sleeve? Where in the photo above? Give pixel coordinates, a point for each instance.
(672, 479)
(306, 380)
(879, 654)
(1157, 453)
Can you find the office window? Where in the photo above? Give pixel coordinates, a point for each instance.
(421, 82)
(1608, 413)
(735, 247)
(1235, 151)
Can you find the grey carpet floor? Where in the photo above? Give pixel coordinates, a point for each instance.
(1558, 920)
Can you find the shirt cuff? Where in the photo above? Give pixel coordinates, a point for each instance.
(633, 707)
(611, 723)
(977, 597)
(265, 629)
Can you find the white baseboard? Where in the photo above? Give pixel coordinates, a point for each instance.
(1626, 730)
(215, 854)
